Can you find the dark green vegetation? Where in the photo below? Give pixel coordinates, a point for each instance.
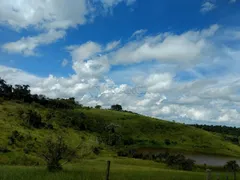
(228, 133)
(232, 166)
(28, 121)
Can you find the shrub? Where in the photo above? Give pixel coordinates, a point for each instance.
(111, 136)
(96, 150)
(4, 150)
(128, 141)
(116, 107)
(31, 118)
(167, 142)
(122, 153)
(232, 166)
(55, 151)
(180, 162)
(49, 126)
(15, 136)
(98, 107)
(28, 148)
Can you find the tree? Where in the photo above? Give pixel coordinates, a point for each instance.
(111, 135)
(98, 107)
(55, 151)
(31, 118)
(180, 162)
(116, 107)
(5, 89)
(232, 166)
(22, 92)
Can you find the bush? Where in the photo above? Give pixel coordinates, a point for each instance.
(232, 166)
(167, 142)
(111, 135)
(4, 150)
(180, 162)
(98, 107)
(56, 151)
(96, 150)
(30, 147)
(31, 118)
(122, 153)
(128, 141)
(14, 137)
(116, 107)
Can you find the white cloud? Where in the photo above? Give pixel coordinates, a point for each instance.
(28, 45)
(87, 60)
(64, 62)
(112, 45)
(43, 14)
(16, 76)
(207, 6)
(139, 33)
(53, 17)
(158, 82)
(168, 48)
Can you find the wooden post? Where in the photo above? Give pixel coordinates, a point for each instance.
(227, 177)
(208, 174)
(235, 175)
(108, 170)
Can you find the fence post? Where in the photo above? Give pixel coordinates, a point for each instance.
(227, 177)
(208, 174)
(108, 169)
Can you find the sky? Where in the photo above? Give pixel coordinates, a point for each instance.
(169, 59)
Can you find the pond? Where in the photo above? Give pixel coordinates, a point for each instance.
(211, 160)
(200, 159)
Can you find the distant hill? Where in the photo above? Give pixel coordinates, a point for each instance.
(27, 120)
(24, 141)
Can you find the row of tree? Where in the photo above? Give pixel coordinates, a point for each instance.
(234, 131)
(23, 94)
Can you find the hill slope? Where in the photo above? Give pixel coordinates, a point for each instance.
(91, 125)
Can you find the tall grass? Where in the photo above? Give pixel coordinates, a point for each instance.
(95, 170)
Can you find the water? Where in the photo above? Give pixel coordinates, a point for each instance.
(211, 160)
(200, 159)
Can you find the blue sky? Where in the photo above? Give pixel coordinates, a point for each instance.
(180, 59)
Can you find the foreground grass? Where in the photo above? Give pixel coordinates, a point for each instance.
(121, 169)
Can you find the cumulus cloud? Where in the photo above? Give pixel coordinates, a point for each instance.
(165, 47)
(112, 45)
(53, 13)
(27, 45)
(53, 17)
(207, 7)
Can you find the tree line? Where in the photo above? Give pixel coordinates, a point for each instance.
(22, 93)
(234, 131)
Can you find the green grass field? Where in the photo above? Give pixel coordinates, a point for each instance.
(121, 169)
(147, 134)
(145, 131)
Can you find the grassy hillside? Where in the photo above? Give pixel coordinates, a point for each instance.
(86, 125)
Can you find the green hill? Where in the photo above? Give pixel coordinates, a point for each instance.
(24, 127)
